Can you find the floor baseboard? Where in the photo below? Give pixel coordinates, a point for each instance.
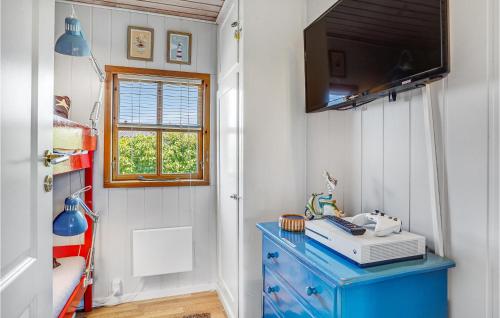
(223, 300)
(152, 294)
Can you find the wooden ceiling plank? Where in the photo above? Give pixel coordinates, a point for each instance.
(180, 4)
(211, 3)
(154, 5)
(146, 9)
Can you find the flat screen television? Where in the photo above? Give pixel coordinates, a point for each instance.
(360, 50)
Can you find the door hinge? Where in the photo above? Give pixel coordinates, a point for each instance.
(237, 30)
(234, 196)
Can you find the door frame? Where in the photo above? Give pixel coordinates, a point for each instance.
(237, 70)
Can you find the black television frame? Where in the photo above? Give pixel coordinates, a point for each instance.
(392, 88)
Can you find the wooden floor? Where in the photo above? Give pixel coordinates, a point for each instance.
(171, 307)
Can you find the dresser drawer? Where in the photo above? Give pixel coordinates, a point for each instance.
(320, 295)
(279, 295)
(268, 309)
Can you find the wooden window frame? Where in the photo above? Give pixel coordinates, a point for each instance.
(111, 177)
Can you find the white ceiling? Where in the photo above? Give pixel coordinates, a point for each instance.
(206, 10)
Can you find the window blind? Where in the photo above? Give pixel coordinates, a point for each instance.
(160, 102)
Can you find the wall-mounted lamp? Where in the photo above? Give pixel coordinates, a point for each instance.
(71, 222)
(73, 43)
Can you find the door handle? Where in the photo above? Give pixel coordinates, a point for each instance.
(234, 196)
(50, 158)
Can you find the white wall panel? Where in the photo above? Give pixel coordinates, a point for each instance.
(124, 210)
(373, 157)
(318, 152)
(352, 169)
(160, 48)
(81, 73)
(394, 169)
(273, 130)
(396, 161)
(336, 146)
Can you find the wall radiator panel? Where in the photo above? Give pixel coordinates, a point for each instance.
(162, 251)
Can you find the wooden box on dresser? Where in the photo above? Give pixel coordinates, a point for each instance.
(302, 278)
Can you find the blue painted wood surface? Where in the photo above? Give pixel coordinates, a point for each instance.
(303, 278)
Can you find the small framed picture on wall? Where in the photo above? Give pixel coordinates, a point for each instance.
(179, 47)
(140, 43)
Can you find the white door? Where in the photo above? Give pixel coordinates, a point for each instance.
(228, 193)
(228, 160)
(26, 101)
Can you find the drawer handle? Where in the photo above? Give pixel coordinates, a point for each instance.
(311, 291)
(272, 255)
(274, 289)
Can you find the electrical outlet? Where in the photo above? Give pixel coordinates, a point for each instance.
(117, 287)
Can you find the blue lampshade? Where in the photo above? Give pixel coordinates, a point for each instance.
(70, 221)
(72, 42)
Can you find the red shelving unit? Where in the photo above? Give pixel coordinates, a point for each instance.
(76, 140)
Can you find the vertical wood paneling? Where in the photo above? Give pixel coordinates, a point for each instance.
(397, 158)
(207, 47)
(123, 210)
(186, 216)
(135, 221)
(153, 218)
(170, 212)
(101, 37)
(158, 24)
(352, 182)
(462, 146)
(336, 127)
(318, 151)
(204, 226)
(119, 22)
(372, 157)
(117, 229)
(62, 86)
(82, 73)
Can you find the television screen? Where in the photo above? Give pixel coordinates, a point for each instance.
(361, 49)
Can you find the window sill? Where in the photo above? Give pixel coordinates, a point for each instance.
(147, 184)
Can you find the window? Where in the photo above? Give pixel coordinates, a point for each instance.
(157, 128)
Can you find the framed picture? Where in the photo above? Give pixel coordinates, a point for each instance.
(337, 64)
(179, 47)
(140, 43)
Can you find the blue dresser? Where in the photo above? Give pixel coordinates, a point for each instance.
(303, 278)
